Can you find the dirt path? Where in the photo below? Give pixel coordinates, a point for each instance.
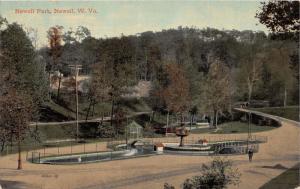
(152, 172)
(84, 121)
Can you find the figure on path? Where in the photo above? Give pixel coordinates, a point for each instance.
(250, 154)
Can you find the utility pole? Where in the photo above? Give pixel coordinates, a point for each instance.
(167, 122)
(76, 86)
(77, 68)
(19, 148)
(19, 145)
(126, 132)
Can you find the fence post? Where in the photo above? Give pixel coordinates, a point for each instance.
(39, 157)
(84, 148)
(57, 150)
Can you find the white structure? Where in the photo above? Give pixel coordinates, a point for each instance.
(159, 148)
(134, 130)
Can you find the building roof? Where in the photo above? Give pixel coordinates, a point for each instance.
(134, 124)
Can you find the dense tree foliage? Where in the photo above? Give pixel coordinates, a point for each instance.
(23, 69)
(218, 88)
(55, 51)
(176, 94)
(190, 70)
(281, 17)
(23, 85)
(114, 72)
(254, 74)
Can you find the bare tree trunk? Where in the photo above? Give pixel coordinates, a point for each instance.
(112, 112)
(152, 116)
(168, 115)
(217, 119)
(93, 109)
(11, 140)
(88, 111)
(191, 121)
(58, 89)
(146, 66)
(102, 118)
(181, 119)
(250, 86)
(2, 145)
(285, 97)
(50, 84)
(19, 149)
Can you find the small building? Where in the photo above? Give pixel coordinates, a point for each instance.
(134, 130)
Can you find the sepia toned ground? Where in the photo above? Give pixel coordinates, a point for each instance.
(280, 152)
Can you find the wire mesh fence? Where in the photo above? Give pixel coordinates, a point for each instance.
(194, 140)
(71, 149)
(192, 146)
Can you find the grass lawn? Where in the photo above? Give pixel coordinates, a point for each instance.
(289, 112)
(202, 130)
(26, 146)
(67, 131)
(287, 180)
(233, 127)
(49, 132)
(52, 111)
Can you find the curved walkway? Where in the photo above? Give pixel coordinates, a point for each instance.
(152, 172)
(274, 117)
(84, 121)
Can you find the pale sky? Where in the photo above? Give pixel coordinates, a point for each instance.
(114, 18)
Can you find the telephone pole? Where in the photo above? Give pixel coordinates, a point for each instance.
(76, 86)
(77, 68)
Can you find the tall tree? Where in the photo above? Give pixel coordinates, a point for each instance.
(15, 114)
(99, 86)
(55, 44)
(22, 82)
(117, 56)
(76, 36)
(89, 47)
(217, 93)
(251, 68)
(196, 81)
(156, 97)
(278, 63)
(21, 61)
(176, 94)
(281, 17)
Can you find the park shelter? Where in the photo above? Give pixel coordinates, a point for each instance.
(134, 130)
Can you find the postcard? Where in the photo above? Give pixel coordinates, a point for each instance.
(149, 94)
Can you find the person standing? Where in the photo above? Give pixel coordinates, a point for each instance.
(250, 154)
